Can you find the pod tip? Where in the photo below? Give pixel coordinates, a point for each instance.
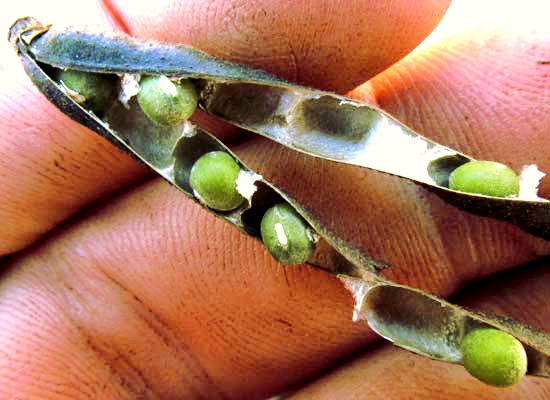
(23, 26)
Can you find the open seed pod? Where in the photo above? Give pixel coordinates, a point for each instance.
(318, 123)
(427, 325)
(314, 122)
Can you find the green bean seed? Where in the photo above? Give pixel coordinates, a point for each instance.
(213, 179)
(485, 177)
(285, 234)
(166, 102)
(93, 91)
(494, 357)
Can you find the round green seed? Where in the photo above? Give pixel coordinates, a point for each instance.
(485, 177)
(285, 234)
(166, 102)
(494, 357)
(213, 179)
(93, 91)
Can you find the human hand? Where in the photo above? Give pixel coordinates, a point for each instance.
(85, 305)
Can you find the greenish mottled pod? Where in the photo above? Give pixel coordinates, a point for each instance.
(494, 357)
(166, 102)
(286, 235)
(213, 179)
(93, 91)
(485, 177)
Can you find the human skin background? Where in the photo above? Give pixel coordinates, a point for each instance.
(117, 286)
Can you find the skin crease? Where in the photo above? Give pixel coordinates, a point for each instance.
(145, 295)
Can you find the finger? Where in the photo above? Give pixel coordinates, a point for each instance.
(69, 168)
(50, 167)
(394, 373)
(152, 298)
(326, 44)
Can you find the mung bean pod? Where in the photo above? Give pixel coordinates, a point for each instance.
(318, 123)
